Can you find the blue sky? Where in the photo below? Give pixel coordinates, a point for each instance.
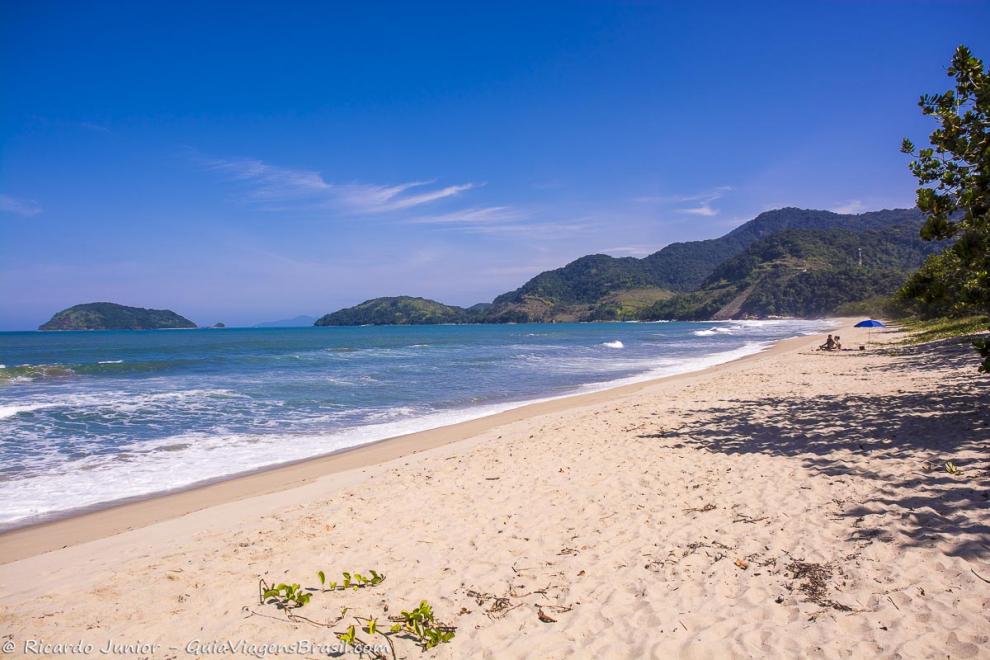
(251, 161)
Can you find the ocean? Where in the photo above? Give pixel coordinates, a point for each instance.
(89, 418)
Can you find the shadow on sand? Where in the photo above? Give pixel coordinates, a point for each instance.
(859, 435)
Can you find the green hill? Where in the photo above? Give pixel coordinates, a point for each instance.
(685, 266)
(593, 287)
(110, 316)
(786, 262)
(570, 293)
(803, 273)
(396, 310)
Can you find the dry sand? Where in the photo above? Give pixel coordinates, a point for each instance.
(792, 504)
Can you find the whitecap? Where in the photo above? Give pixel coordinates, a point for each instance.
(10, 411)
(613, 344)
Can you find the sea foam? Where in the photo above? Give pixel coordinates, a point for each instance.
(10, 411)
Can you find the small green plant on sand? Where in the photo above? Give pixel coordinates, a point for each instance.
(422, 625)
(282, 595)
(370, 626)
(348, 581)
(418, 624)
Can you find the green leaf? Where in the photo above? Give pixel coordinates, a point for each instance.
(348, 636)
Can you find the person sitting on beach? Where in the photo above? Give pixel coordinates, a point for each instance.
(838, 344)
(829, 344)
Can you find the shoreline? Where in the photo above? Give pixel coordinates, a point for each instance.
(793, 503)
(60, 530)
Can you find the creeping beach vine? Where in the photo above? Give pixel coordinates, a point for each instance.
(418, 624)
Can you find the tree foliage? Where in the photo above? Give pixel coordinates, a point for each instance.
(954, 193)
(953, 174)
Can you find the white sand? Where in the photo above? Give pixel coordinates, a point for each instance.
(627, 519)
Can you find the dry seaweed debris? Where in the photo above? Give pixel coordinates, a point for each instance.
(500, 606)
(815, 583)
(701, 509)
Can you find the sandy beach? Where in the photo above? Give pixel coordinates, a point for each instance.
(791, 504)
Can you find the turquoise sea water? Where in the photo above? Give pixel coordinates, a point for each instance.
(87, 418)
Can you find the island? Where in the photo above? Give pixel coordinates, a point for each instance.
(396, 310)
(111, 316)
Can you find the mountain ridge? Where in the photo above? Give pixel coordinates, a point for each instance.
(675, 268)
(676, 278)
(803, 272)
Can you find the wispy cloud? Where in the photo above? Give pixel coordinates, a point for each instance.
(852, 206)
(486, 215)
(395, 203)
(705, 200)
(702, 209)
(702, 201)
(94, 127)
(267, 183)
(504, 222)
(534, 230)
(17, 206)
